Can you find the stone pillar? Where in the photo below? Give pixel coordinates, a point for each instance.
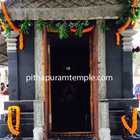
(38, 119)
(38, 62)
(38, 103)
(127, 63)
(103, 110)
(12, 64)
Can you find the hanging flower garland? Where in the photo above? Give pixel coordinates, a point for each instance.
(117, 38)
(12, 25)
(24, 26)
(64, 29)
(9, 121)
(127, 23)
(73, 30)
(134, 122)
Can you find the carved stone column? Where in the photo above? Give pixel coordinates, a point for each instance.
(103, 110)
(127, 63)
(11, 41)
(127, 38)
(12, 64)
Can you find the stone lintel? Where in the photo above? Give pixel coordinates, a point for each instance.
(73, 13)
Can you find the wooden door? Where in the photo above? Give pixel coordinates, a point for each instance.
(95, 83)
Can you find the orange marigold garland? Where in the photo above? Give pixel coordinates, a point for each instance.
(74, 30)
(9, 121)
(21, 41)
(12, 25)
(117, 38)
(128, 22)
(134, 122)
(134, 2)
(8, 19)
(125, 26)
(43, 67)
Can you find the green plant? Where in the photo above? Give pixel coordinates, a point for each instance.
(8, 29)
(24, 27)
(127, 12)
(103, 28)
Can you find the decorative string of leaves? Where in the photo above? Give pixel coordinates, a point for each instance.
(103, 28)
(24, 27)
(127, 12)
(64, 29)
(79, 27)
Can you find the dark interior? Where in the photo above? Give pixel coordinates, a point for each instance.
(70, 99)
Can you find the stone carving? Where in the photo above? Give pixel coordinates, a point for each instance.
(127, 39)
(74, 13)
(56, 3)
(11, 40)
(62, 9)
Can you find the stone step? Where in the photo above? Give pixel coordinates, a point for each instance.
(25, 105)
(23, 115)
(116, 137)
(26, 130)
(23, 138)
(72, 138)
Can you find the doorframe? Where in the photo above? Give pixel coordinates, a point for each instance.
(93, 45)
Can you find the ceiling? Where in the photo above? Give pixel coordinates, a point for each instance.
(3, 52)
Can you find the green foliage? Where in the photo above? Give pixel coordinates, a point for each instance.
(102, 27)
(1, 16)
(51, 26)
(127, 12)
(8, 30)
(79, 27)
(40, 25)
(64, 29)
(24, 27)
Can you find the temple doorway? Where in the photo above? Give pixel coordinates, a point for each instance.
(70, 98)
